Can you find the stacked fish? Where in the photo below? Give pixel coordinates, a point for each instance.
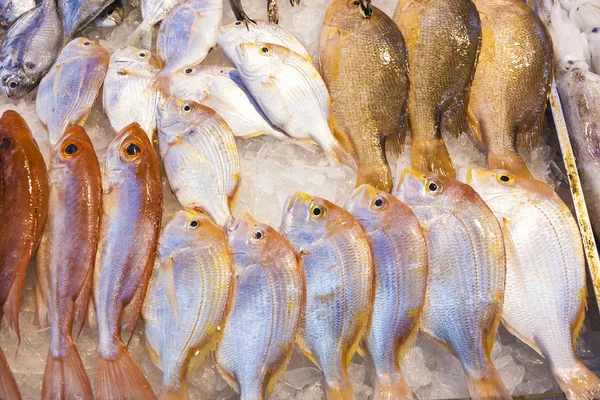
(450, 253)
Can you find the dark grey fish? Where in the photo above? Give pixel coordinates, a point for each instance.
(111, 15)
(30, 48)
(76, 14)
(10, 10)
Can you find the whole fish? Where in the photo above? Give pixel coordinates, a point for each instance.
(467, 267)
(232, 35)
(512, 82)
(187, 34)
(187, 295)
(77, 14)
(366, 112)
(11, 10)
(199, 156)
(65, 260)
(153, 11)
(338, 274)
(129, 94)
(111, 16)
(30, 47)
(594, 45)
(131, 216)
(546, 292)
(66, 95)
(23, 212)
(221, 89)
(400, 262)
(291, 93)
(443, 38)
(258, 338)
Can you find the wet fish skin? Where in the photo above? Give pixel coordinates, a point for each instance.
(467, 267)
(187, 296)
(153, 11)
(400, 263)
(30, 47)
(512, 81)
(111, 16)
(546, 292)
(67, 93)
(339, 298)
(65, 260)
(443, 39)
(132, 192)
(259, 332)
(366, 112)
(129, 94)
(200, 157)
(77, 14)
(11, 10)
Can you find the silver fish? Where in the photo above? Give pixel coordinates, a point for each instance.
(261, 325)
(10, 10)
(30, 47)
(76, 14)
(111, 16)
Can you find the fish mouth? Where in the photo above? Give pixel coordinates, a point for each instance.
(290, 202)
(365, 8)
(410, 172)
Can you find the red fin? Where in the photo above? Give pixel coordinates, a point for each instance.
(83, 301)
(397, 390)
(65, 378)
(8, 384)
(432, 156)
(579, 383)
(13, 302)
(131, 313)
(490, 387)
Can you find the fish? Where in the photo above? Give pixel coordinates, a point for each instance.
(187, 297)
(221, 89)
(30, 47)
(77, 14)
(467, 268)
(67, 93)
(594, 46)
(23, 211)
(65, 260)
(258, 337)
(291, 93)
(512, 81)
(400, 262)
(130, 226)
(111, 16)
(443, 38)
(129, 94)
(273, 11)
(200, 157)
(153, 11)
(187, 34)
(339, 298)
(231, 36)
(366, 112)
(11, 10)
(546, 294)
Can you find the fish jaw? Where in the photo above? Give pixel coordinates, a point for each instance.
(16, 85)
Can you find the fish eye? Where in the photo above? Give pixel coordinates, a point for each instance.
(194, 223)
(13, 84)
(356, 3)
(434, 188)
(70, 149)
(188, 71)
(505, 179)
(266, 50)
(5, 144)
(257, 234)
(187, 107)
(238, 23)
(142, 54)
(379, 203)
(317, 211)
(87, 43)
(131, 149)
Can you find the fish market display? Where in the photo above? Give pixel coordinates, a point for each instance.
(259, 332)
(221, 89)
(188, 33)
(131, 214)
(291, 93)
(199, 156)
(546, 292)
(465, 286)
(153, 11)
(339, 298)
(76, 14)
(10, 10)
(129, 94)
(366, 112)
(232, 35)
(23, 211)
(400, 263)
(29, 49)
(66, 95)
(187, 295)
(65, 260)
(111, 16)
(443, 38)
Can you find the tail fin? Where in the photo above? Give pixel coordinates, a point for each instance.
(432, 156)
(8, 384)
(65, 378)
(340, 390)
(398, 390)
(512, 162)
(579, 383)
(121, 378)
(490, 387)
(141, 36)
(337, 154)
(180, 393)
(379, 176)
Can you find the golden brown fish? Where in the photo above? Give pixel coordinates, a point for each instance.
(512, 82)
(23, 211)
(65, 259)
(443, 38)
(132, 209)
(364, 65)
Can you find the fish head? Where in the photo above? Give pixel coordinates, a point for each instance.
(188, 82)
(132, 60)
(252, 242)
(175, 119)
(16, 82)
(73, 148)
(259, 59)
(188, 229)
(373, 208)
(111, 16)
(344, 14)
(126, 153)
(14, 135)
(84, 47)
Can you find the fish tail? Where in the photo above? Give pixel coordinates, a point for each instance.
(512, 162)
(386, 389)
(579, 383)
(121, 377)
(65, 377)
(142, 35)
(377, 175)
(178, 393)
(8, 384)
(340, 389)
(489, 387)
(337, 154)
(432, 156)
